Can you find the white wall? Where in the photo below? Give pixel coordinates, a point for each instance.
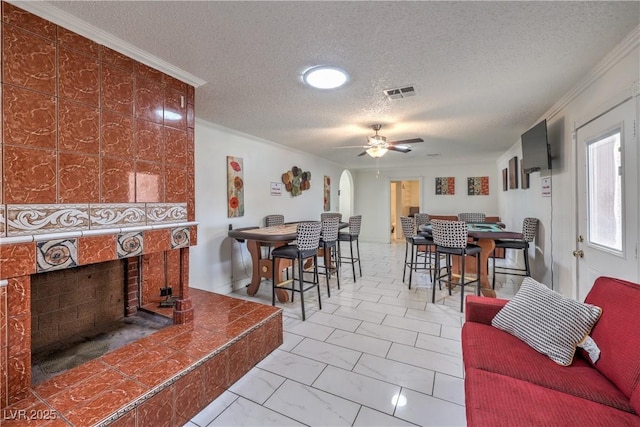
(613, 77)
(219, 263)
(372, 194)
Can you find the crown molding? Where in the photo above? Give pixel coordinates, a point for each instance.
(618, 53)
(51, 13)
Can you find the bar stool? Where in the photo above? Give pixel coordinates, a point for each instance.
(308, 242)
(529, 230)
(324, 215)
(352, 236)
(329, 242)
(275, 219)
(270, 221)
(422, 219)
(415, 241)
(472, 217)
(451, 238)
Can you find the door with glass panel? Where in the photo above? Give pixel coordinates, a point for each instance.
(607, 180)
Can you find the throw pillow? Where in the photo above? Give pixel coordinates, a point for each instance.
(547, 321)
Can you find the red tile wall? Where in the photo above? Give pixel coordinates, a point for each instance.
(81, 123)
(85, 124)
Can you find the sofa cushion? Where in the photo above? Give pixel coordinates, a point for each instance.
(635, 400)
(496, 400)
(547, 321)
(618, 331)
(487, 348)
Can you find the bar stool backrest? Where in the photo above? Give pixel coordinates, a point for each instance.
(272, 220)
(408, 226)
(330, 229)
(331, 215)
(421, 219)
(472, 217)
(354, 225)
(308, 235)
(529, 229)
(450, 234)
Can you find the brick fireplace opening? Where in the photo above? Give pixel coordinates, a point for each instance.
(80, 314)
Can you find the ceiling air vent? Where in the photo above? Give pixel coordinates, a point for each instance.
(400, 92)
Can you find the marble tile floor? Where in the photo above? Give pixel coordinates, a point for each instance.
(377, 354)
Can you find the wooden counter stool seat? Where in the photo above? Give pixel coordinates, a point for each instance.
(529, 230)
(451, 238)
(352, 236)
(329, 242)
(308, 242)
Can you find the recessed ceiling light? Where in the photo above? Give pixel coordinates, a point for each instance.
(325, 77)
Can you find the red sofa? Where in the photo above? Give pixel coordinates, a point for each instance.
(507, 383)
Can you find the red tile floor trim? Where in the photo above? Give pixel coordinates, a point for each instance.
(161, 380)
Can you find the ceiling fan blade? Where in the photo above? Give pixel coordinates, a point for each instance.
(350, 146)
(398, 148)
(406, 141)
(362, 154)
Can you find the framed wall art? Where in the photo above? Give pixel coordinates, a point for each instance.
(445, 186)
(513, 173)
(478, 186)
(524, 177)
(505, 179)
(327, 193)
(235, 187)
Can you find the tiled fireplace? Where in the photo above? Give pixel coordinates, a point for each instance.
(75, 304)
(97, 166)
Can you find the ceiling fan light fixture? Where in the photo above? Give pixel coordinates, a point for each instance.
(376, 151)
(324, 77)
(376, 139)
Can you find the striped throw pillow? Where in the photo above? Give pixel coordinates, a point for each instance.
(547, 321)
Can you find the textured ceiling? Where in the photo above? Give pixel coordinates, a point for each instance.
(484, 72)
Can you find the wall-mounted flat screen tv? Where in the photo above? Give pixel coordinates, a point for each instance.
(536, 153)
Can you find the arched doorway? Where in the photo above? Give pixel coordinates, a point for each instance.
(345, 194)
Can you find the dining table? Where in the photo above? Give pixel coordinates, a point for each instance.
(483, 235)
(262, 266)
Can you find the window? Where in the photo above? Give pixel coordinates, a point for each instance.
(604, 191)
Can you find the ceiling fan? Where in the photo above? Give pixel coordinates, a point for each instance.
(377, 145)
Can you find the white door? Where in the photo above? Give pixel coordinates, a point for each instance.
(607, 179)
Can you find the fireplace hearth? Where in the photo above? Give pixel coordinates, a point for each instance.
(49, 363)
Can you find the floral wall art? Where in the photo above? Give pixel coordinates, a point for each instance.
(296, 181)
(478, 186)
(235, 187)
(327, 193)
(445, 185)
